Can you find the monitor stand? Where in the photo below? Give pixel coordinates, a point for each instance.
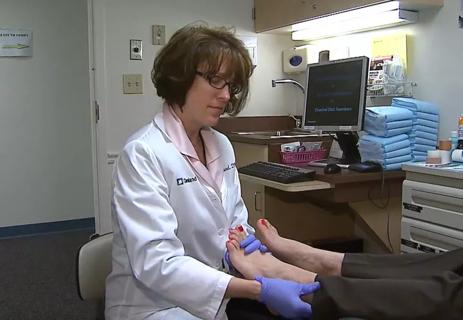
(350, 154)
(348, 144)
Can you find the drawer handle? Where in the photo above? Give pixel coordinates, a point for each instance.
(257, 202)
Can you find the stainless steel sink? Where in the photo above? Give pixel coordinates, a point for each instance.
(275, 134)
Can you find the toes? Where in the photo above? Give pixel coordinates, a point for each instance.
(233, 236)
(237, 233)
(232, 246)
(263, 225)
(263, 222)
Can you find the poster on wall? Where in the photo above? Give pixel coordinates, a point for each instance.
(15, 43)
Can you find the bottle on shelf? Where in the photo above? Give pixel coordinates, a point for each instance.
(454, 139)
(460, 132)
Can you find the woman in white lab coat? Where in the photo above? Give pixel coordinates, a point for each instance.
(176, 189)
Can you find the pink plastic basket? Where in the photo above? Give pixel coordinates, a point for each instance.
(302, 157)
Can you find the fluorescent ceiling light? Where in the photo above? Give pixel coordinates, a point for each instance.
(346, 15)
(366, 18)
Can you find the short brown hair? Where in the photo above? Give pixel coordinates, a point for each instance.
(175, 66)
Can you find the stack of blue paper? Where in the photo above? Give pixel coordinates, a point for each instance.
(388, 121)
(391, 152)
(425, 127)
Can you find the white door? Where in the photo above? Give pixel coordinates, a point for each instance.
(114, 23)
(119, 114)
(103, 214)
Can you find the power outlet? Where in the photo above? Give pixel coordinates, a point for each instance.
(136, 50)
(159, 35)
(132, 83)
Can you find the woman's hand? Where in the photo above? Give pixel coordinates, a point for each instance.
(284, 297)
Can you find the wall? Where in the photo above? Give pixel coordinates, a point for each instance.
(121, 20)
(437, 66)
(435, 59)
(118, 21)
(45, 140)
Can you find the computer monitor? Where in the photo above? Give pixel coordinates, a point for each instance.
(335, 99)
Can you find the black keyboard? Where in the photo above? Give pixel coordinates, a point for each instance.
(277, 172)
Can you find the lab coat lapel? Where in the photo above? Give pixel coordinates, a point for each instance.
(174, 129)
(213, 156)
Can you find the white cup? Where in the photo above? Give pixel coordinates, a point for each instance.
(433, 157)
(457, 155)
(445, 156)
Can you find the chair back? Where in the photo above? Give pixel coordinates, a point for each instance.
(94, 261)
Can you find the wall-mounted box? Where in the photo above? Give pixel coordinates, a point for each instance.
(296, 59)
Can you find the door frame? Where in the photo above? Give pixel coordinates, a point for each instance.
(98, 98)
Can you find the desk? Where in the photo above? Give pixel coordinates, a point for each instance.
(333, 206)
(338, 205)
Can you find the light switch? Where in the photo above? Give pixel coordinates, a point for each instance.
(159, 34)
(132, 83)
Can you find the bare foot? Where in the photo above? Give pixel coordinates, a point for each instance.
(238, 234)
(264, 264)
(279, 246)
(297, 253)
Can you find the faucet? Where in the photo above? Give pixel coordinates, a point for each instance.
(297, 120)
(278, 81)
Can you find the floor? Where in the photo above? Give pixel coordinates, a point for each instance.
(38, 278)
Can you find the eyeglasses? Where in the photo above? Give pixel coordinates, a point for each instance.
(218, 82)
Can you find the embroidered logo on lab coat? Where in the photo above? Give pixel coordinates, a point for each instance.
(230, 166)
(181, 181)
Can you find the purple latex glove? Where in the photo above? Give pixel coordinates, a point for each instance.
(284, 296)
(251, 244)
(229, 264)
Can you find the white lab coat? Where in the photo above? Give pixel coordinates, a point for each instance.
(170, 230)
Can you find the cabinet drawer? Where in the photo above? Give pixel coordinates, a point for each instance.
(433, 203)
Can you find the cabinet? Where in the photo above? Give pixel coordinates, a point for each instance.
(253, 194)
(432, 209)
(291, 212)
(274, 14)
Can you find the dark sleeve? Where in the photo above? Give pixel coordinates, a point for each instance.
(374, 266)
(427, 298)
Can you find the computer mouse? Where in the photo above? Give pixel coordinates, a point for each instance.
(373, 165)
(332, 168)
(367, 166)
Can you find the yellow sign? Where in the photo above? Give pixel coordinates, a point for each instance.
(395, 45)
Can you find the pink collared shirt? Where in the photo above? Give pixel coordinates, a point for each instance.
(212, 173)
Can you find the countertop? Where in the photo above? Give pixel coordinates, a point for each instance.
(348, 176)
(260, 139)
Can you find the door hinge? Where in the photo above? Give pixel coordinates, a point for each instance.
(253, 14)
(97, 112)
